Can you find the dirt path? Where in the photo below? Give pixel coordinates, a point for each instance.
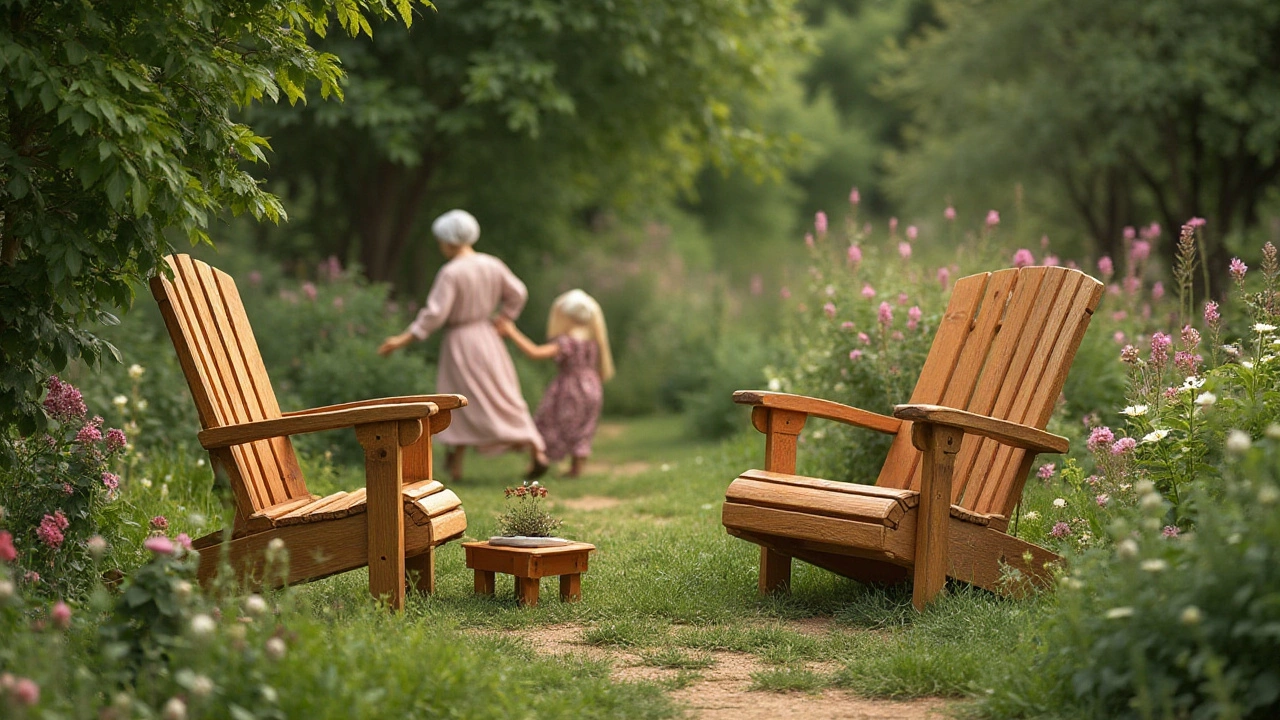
(721, 691)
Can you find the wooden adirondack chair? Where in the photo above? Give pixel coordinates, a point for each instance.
(961, 451)
(391, 524)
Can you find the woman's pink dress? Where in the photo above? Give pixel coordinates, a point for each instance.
(570, 407)
(473, 358)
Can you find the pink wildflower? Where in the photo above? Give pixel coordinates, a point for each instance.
(1140, 251)
(309, 289)
(1044, 242)
(855, 355)
(1130, 233)
(808, 240)
(785, 293)
(184, 540)
(1132, 285)
(904, 248)
(903, 298)
(855, 254)
(64, 401)
(1190, 337)
(1211, 314)
(110, 480)
(26, 692)
(8, 553)
(864, 338)
(855, 197)
(1060, 529)
(912, 233)
(993, 218)
(116, 439)
(255, 278)
(1099, 438)
(1023, 258)
(1171, 531)
(1153, 231)
(1106, 267)
(820, 223)
(1170, 393)
(829, 310)
(1119, 315)
(897, 335)
(1157, 290)
(885, 314)
(1196, 222)
(1119, 337)
(1113, 290)
(893, 226)
(159, 545)
(868, 292)
(159, 522)
(1187, 362)
(944, 275)
(913, 317)
(949, 214)
(67, 489)
(846, 325)
(61, 615)
(1051, 260)
(90, 433)
(339, 303)
(1160, 343)
(32, 577)
(1238, 269)
(1046, 471)
(1102, 500)
(1129, 355)
(1123, 445)
(757, 285)
(50, 530)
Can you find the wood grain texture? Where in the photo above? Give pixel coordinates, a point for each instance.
(383, 500)
(300, 424)
(939, 443)
(816, 407)
(775, 571)
(444, 402)
(785, 496)
(422, 569)
(906, 498)
(570, 587)
(780, 443)
(1004, 431)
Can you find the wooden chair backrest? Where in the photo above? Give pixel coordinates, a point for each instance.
(220, 358)
(1002, 349)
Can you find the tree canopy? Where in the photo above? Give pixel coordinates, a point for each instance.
(116, 127)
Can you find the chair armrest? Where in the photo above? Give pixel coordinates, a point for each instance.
(818, 408)
(444, 402)
(1003, 431)
(229, 435)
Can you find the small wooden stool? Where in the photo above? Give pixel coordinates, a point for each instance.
(529, 565)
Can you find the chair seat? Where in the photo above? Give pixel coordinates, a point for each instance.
(423, 501)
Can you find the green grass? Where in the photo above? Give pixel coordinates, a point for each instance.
(667, 582)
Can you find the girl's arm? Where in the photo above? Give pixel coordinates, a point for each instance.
(508, 329)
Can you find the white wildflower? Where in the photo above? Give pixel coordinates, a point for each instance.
(1155, 435)
(1193, 383)
(1127, 549)
(1059, 503)
(6, 590)
(136, 371)
(1206, 399)
(1031, 515)
(1273, 431)
(775, 384)
(203, 626)
(141, 404)
(1238, 442)
(201, 686)
(1134, 411)
(145, 482)
(1246, 364)
(175, 709)
(1154, 565)
(1144, 486)
(1191, 615)
(1151, 501)
(255, 605)
(1119, 613)
(1268, 494)
(119, 401)
(275, 648)
(1264, 328)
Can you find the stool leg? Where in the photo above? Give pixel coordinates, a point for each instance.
(527, 591)
(571, 587)
(484, 582)
(424, 564)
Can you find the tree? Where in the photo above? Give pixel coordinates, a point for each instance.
(527, 114)
(1126, 110)
(115, 128)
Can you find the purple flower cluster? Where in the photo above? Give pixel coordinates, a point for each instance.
(51, 527)
(64, 401)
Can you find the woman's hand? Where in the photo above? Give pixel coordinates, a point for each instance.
(504, 326)
(394, 343)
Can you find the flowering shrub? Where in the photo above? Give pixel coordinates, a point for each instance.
(55, 497)
(527, 517)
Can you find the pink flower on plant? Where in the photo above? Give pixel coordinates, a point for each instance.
(993, 218)
(159, 545)
(1123, 445)
(1132, 285)
(184, 540)
(1060, 529)
(1119, 337)
(116, 439)
(1046, 471)
(757, 285)
(808, 240)
(1196, 222)
(1157, 290)
(31, 576)
(1153, 231)
(1119, 315)
(309, 290)
(912, 233)
(903, 298)
(949, 214)
(8, 553)
(855, 197)
(1190, 337)
(846, 325)
(110, 480)
(1044, 242)
(893, 226)
(60, 615)
(897, 335)
(1187, 362)
(25, 692)
(1171, 531)
(913, 317)
(944, 276)
(159, 522)
(90, 433)
(820, 223)
(1099, 438)
(855, 254)
(1170, 393)
(255, 278)
(1160, 343)
(64, 401)
(1211, 314)
(785, 293)
(855, 355)
(1140, 251)
(1051, 260)
(868, 292)
(50, 530)
(1023, 258)
(904, 249)
(885, 314)
(1238, 269)
(1102, 500)
(1129, 355)
(829, 310)
(67, 489)
(864, 338)
(1130, 233)
(1106, 267)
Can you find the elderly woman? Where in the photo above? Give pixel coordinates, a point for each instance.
(473, 359)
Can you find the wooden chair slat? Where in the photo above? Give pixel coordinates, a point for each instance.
(901, 466)
(238, 382)
(256, 468)
(282, 448)
(1015, 397)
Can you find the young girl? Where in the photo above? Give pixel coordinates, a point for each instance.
(579, 343)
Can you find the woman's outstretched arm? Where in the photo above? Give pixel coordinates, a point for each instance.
(429, 319)
(508, 329)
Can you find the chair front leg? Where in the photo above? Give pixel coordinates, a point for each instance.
(939, 443)
(781, 430)
(384, 505)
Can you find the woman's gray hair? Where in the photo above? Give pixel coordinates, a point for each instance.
(456, 227)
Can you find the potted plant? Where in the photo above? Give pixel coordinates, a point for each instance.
(526, 523)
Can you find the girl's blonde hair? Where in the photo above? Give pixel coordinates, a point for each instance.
(576, 308)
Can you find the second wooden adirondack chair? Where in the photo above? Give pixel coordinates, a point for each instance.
(393, 524)
(961, 452)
